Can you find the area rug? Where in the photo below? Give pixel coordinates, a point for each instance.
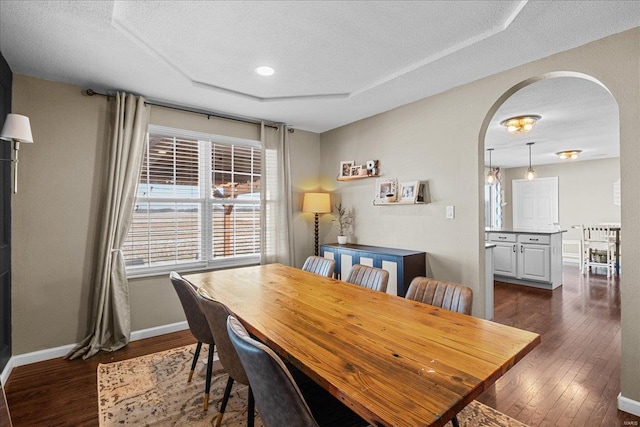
(153, 390)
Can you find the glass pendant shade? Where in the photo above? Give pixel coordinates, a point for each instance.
(531, 173)
(491, 175)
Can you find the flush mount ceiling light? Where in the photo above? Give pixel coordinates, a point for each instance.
(530, 174)
(265, 70)
(568, 154)
(520, 124)
(491, 176)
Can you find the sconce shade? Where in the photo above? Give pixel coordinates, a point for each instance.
(316, 203)
(17, 128)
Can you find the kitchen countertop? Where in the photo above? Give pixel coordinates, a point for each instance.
(524, 231)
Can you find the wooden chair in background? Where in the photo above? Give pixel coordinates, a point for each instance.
(598, 248)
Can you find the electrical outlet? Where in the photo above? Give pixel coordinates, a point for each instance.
(451, 212)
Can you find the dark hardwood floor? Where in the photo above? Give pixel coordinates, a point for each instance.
(571, 379)
(62, 392)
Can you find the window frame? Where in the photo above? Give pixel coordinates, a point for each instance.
(206, 203)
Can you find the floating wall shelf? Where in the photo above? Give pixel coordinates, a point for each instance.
(353, 178)
(396, 203)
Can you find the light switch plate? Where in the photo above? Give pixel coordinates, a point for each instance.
(451, 212)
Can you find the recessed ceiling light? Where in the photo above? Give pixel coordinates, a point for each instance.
(265, 70)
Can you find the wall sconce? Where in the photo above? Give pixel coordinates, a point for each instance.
(568, 154)
(520, 124)
(16, 128)
(530, 174)
(316, 203)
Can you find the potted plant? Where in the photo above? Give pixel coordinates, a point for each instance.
(343, 219)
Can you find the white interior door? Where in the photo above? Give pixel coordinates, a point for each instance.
(535, 203)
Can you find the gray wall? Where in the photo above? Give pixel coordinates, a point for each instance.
(56, 212)
(440, 139)
(585, 192)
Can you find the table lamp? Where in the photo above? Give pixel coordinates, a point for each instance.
(316, 203)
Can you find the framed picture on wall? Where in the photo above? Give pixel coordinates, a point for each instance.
(385, 190)
(355, 170)
(345, 167)
(409, 191)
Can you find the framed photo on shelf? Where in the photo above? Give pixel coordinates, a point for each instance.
(409, 191)
(355, 170)
(345, 167)
(386, 190)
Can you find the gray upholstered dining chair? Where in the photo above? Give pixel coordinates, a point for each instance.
(320, 265)
(280, 401)
(216, 314)
(449, 295)
(369, 277)
(188, 294)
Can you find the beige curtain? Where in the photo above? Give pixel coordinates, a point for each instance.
(276, 215)
(111, 323)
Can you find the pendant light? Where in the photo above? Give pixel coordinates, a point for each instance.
(491, 176)
(531, 173)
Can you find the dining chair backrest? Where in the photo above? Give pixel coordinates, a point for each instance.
(449, 295)
(598, 248)
(369, 277)
(320, 265)
(216, 314)
(598, 233)
(278, 398)
(188, 295)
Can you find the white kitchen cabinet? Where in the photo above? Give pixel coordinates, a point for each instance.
(534, 262)
(505, 255)
(505, 259)
(533, 259)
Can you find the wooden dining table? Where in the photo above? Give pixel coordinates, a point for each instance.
(394, 361)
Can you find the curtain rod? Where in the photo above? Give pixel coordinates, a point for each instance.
(273, 125)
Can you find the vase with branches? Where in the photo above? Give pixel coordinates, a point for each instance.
(343, 220)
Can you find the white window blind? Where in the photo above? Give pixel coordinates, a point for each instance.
(198, 203)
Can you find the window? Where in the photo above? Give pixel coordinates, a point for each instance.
(198, 203)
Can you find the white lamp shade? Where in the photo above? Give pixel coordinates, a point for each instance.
(316, 203)
(16, 127)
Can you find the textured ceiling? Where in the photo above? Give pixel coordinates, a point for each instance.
(336, 61)
(576, 114)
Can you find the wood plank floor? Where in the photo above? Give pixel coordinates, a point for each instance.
(62, 392)
(571, 379)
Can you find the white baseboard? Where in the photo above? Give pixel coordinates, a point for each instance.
(159, 330)
(53, 353)
(628, 405)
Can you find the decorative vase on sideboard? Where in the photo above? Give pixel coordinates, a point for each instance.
(342, 240)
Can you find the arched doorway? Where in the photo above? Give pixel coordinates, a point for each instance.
(598, 313)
